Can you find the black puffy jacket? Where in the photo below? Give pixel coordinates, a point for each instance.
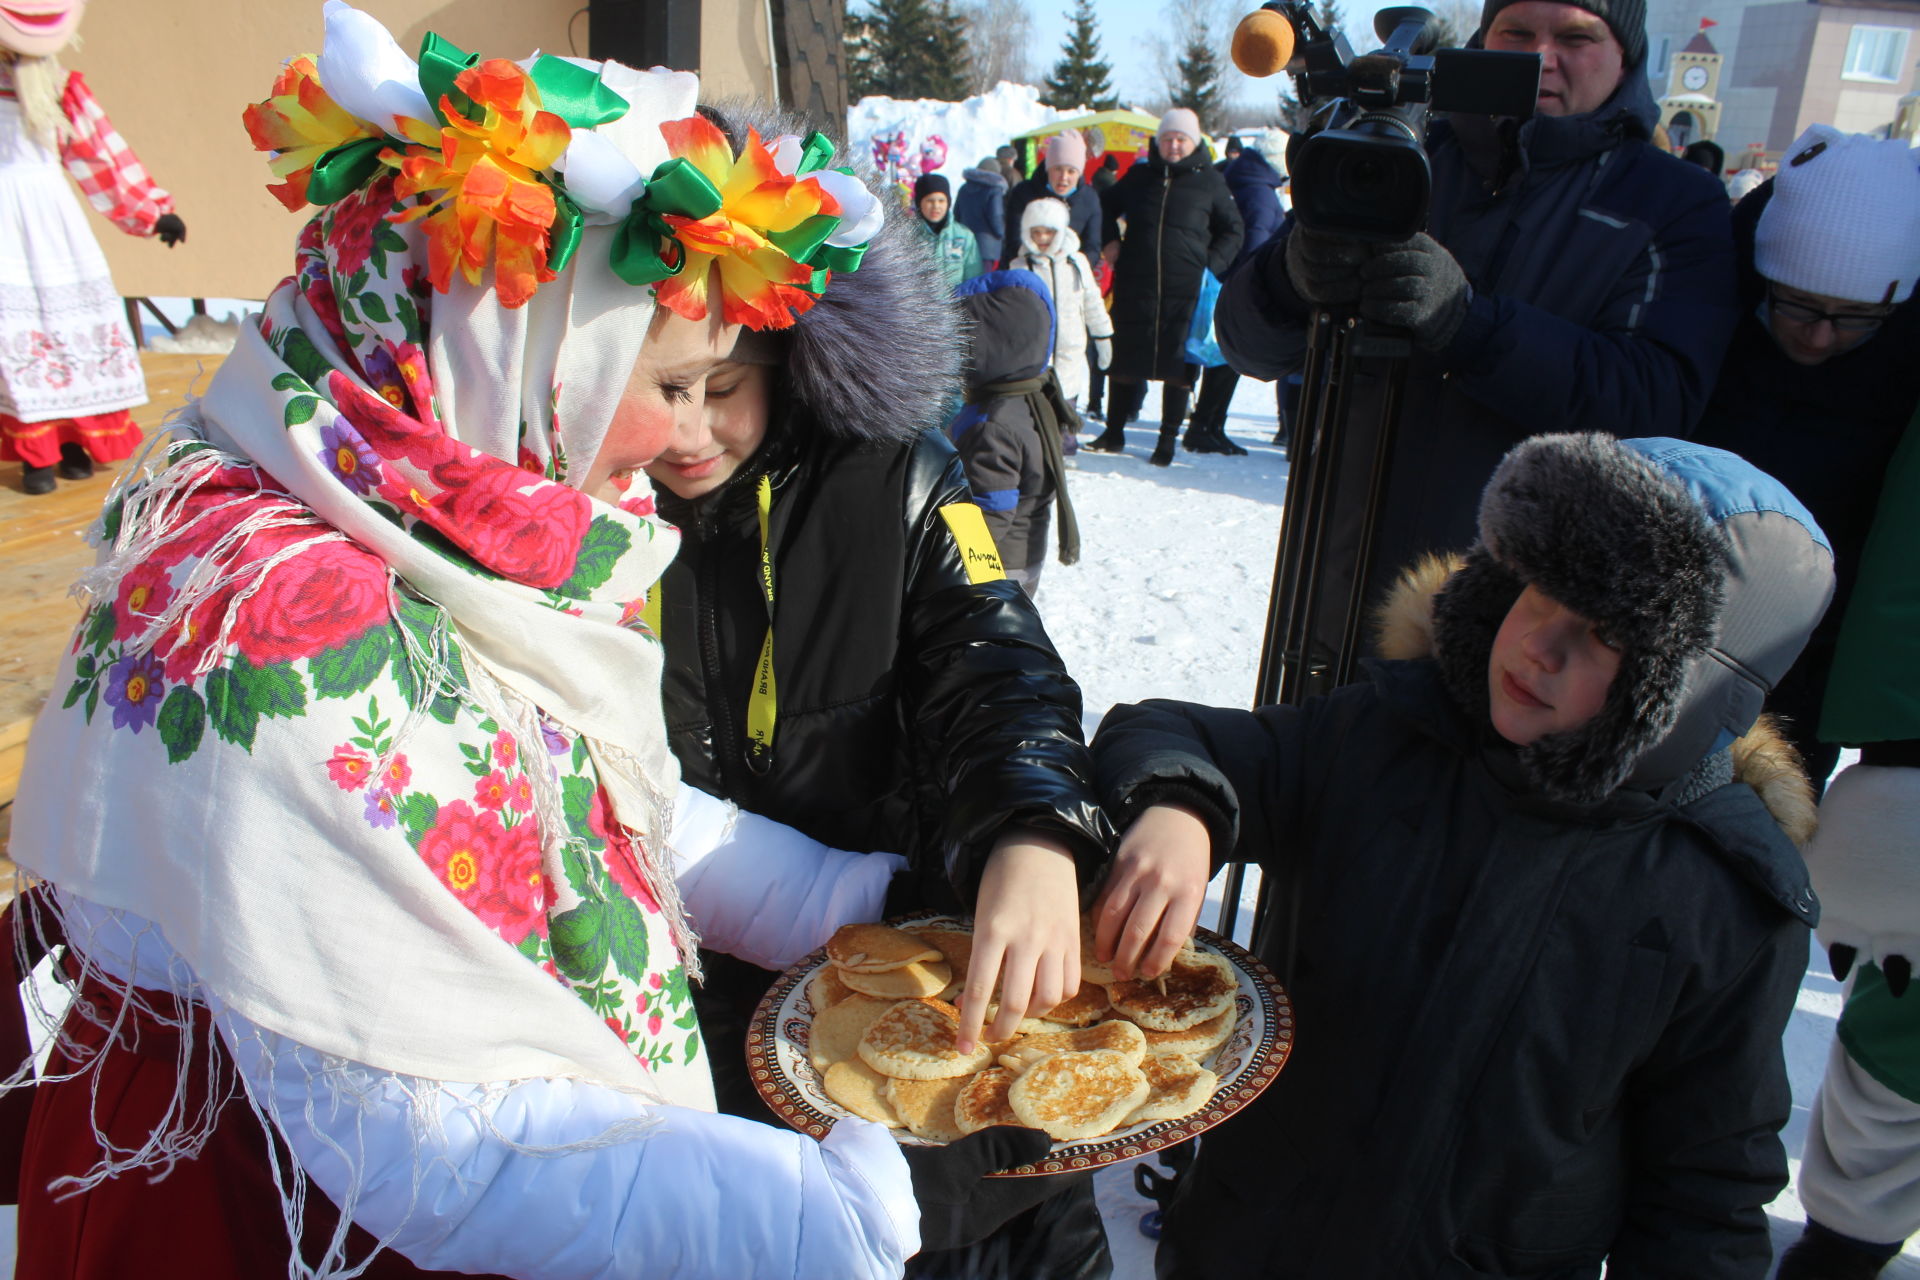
(919, 712)
(1180, 221)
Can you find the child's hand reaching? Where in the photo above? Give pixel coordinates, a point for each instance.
(1153, 894)
(1026, 935)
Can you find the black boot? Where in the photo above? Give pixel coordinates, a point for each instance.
(36, 480)
(74, 462)
(1208, 432)
(1824, 1254)
(1163, 452)
(1123, 406)
(1218, 441)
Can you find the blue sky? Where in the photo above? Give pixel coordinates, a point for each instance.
(1131, 31)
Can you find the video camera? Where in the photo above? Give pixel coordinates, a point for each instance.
(1360, 170)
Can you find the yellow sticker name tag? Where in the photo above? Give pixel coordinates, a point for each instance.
(969, 529)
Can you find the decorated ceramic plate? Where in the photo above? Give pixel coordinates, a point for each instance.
(1245, 1064)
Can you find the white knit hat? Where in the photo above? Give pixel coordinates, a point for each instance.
(1180, 120)
(1844, 220)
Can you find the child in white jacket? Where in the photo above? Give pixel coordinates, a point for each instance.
(1050, 249)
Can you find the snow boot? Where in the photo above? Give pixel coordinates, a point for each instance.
(1123, 406)
(1822, 1253)
(74, 463)
(37, 480)
(1163, 452)
(1212, 438)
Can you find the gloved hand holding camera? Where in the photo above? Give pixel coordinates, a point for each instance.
(1411, 284)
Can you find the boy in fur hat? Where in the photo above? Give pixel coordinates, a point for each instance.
(1549, 914)
(955, 250)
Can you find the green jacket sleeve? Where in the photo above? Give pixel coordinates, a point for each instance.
(1873, 693)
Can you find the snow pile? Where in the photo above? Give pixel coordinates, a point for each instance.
(903, 139)
(201, 335)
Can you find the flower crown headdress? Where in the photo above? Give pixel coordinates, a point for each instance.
(502, 163)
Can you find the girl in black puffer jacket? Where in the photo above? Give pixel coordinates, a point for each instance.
(917, 705)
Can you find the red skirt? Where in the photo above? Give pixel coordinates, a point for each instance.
(107, 437)
(214, 1217)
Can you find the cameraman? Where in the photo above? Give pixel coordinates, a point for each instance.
(1576, 278)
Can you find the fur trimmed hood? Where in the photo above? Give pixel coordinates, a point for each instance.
(1763, 758)
(878, 356)
(1704, 572)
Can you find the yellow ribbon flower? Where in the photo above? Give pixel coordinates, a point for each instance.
(301, 123)
(760, 285)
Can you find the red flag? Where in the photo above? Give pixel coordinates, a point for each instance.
(1707, 22)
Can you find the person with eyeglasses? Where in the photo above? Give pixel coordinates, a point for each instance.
(1822, 375)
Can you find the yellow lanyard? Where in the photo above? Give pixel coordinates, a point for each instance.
(762, 705)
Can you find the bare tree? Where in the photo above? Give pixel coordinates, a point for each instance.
(1000, 33)
(1454, 21)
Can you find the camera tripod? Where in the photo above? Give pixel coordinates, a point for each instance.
(1317, 607)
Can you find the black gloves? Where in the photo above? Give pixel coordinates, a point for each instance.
(957, 1204)
(1324, 270)
(170, 229)
(1412, 284)
(1415, 285)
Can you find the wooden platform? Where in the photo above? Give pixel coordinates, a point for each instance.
(42, 550)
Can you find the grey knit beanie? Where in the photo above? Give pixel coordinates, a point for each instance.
(1627, 19)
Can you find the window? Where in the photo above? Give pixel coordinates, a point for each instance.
(1876, 53)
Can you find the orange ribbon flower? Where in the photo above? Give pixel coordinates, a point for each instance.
(301, 123)
(760, 285)
(484, 170)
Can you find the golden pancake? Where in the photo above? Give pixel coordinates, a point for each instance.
(955, 945)
(1077, 1095)
(1199, 986)
(862, 1090)
(836, 1032)
(914, 1041)
(1082, 1008)
(983, 1101)
(1113, 1036)
(875, 948)
(1196, 1042)
(926, 1106)
(1176, 1086)
(912, 981)
(825, 990)
(1091, 970)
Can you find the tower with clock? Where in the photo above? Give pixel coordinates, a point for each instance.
(1690, 111)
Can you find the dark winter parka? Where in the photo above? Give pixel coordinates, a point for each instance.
(1083, 215)
(1180, 221)
(1533, 1033)
(980, 207)
(1827, 431)
(1603, 280)
(1011, 460)
(1253, 181)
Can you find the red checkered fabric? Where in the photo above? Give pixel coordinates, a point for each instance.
(110, 175)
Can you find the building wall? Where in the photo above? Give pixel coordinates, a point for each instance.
(1783, 64)
(175, 79)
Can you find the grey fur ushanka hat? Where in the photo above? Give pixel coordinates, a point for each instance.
(1705, 572)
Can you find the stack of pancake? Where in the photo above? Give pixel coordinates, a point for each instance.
(1117, 1054)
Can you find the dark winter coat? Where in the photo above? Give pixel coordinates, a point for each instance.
(1083, 215)
(1530, 1035)
(1603, 277)
(1827, 431)
(1180, 221)
(980, 207)
(1253, 183)
(1011, 464)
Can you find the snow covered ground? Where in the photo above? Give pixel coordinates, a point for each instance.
(1168, 601)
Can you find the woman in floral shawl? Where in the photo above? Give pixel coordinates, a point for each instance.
(354, 808)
